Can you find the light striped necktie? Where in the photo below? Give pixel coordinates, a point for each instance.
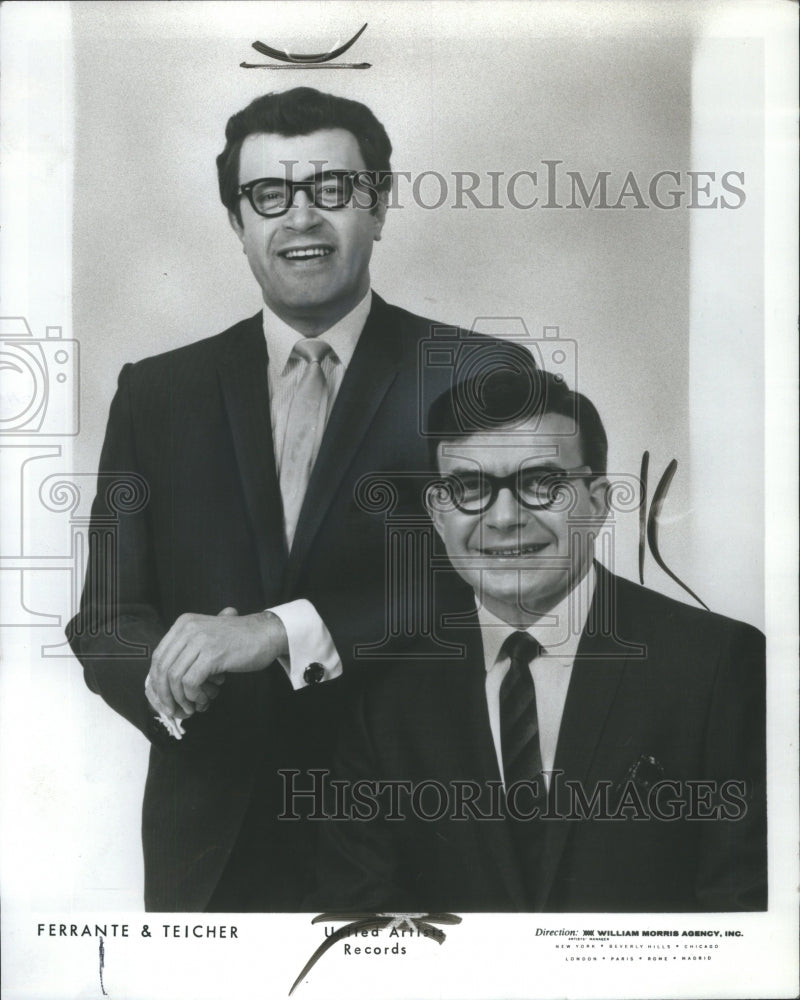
(304, 430)
(519, 722)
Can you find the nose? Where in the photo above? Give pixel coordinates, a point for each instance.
(302, 213)
(505, 513)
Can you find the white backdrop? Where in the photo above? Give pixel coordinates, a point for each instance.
(119, 237)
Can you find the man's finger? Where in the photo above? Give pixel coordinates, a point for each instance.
(202, 701)
(208, 692)
(177, 676)
(165, 652)
(175, 639)
(195, 678)
(152, 697)
(160, 676)
(158, 706)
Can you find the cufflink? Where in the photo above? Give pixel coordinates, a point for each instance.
(313, 673)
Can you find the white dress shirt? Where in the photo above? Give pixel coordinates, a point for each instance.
(558, 633)
(309, 639)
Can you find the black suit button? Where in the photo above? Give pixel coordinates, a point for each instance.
(313, 673)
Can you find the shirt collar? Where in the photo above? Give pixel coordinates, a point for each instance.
(342, 336)
(559, 633)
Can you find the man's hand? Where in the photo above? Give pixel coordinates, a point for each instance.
(192, 659)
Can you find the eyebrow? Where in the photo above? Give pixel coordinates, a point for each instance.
(320, 175)
(545, 467)
(468, 470)
(523, 467)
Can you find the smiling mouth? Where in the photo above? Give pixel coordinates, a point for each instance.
(510, 553)
(305, 253)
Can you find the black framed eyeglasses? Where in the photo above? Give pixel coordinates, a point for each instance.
(329, 190)
(533, 488)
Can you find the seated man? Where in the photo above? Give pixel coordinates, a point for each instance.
(598, 746)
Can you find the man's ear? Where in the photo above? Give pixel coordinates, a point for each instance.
(236, 225)
(599, 489)
(379, 214)
(434, 507)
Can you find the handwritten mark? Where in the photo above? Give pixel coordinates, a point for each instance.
(102, 963)
(648, 525)
(399, 920)
(356, 922)
(312, 61)
(247, 65)
(643, 513)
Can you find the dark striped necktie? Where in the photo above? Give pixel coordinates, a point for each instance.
(519, 723)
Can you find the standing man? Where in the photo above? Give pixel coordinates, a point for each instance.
(252, 562)
(599, 747)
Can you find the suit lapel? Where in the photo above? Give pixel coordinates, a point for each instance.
(245, 390)
(596, 675)
(369, 375)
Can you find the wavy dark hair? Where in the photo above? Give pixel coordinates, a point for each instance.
(505, 396)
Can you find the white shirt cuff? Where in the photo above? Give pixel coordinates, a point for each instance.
(310, 645)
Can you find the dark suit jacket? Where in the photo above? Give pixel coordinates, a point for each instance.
(671, 693)
(194, 424)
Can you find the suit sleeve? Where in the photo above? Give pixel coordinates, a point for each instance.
(118, 626)
(732, 869)
(309, 642)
